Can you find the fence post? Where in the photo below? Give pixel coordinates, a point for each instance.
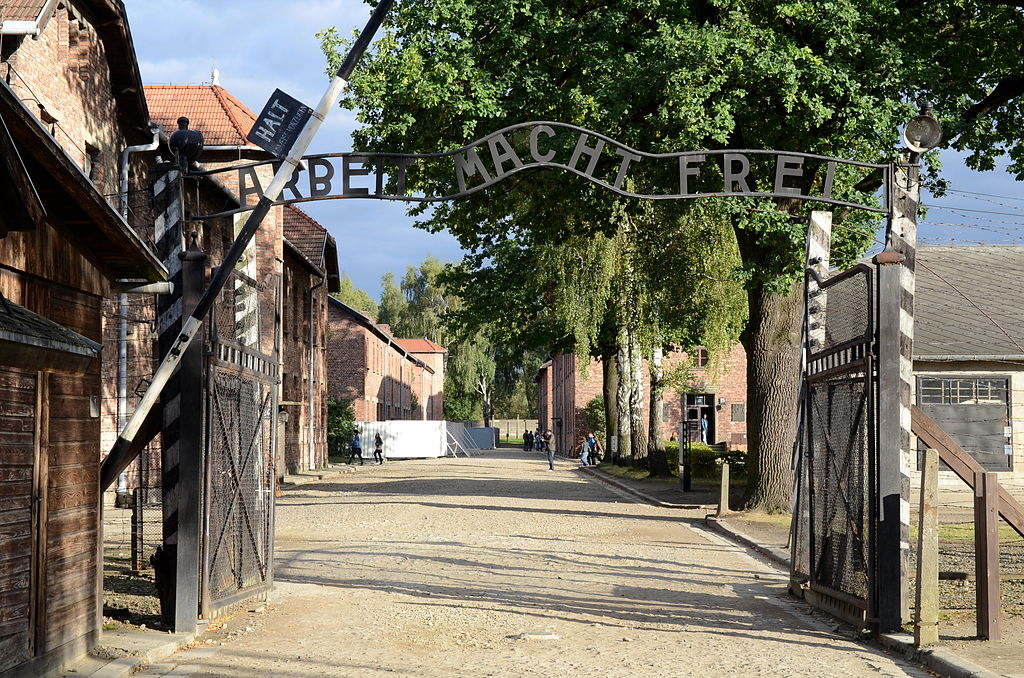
(986, 553)
(926, 622)
(188, 493)
(723, 491)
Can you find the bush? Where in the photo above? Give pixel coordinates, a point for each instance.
(706, 461)
(672, 454)
(340, 426)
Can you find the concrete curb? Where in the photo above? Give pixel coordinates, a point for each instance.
(776, 555)
(942, 660)
(307, 477)
(142, 648)
(609, 480)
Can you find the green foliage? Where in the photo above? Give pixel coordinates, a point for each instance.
(594, 415)
(672, 454)
(707, 463)
(392, 304)
(340, 426)
(356, 298)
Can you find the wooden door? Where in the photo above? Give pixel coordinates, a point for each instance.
(19, 440)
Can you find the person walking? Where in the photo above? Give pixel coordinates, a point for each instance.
(584, 452)
(594, 452)
(551, 454)
(528, 441)
(378, 449)
(357, 449)
(538, 440)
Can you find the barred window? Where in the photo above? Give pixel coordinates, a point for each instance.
(962, 390)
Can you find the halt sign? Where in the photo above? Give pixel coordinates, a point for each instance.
(280, 123)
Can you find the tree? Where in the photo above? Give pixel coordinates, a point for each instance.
(356, 298)
(470, 370)
(393, 303)
(836, 78)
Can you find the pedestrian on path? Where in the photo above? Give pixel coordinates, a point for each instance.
(538, 440)
(378, 449)
(551, 457)
(594, 452)
(528, 441)
(584, 452)
(357, 449)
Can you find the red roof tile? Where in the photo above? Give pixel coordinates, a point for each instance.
(21, 10)
(223, 119)
(305, 233)
(420, 346)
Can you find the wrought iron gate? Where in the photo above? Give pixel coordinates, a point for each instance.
(840, 453)
(241, 410)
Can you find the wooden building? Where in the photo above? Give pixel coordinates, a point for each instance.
(969, 352)
(70, 103)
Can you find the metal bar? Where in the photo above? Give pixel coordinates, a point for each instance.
(193, 324)
(986, 553)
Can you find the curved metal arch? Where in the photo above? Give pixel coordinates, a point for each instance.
(464, 151)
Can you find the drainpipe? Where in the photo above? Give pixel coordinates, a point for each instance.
(312, 388)
(122, 315)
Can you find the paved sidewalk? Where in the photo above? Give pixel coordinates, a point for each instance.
(492, 566)
(962, 659)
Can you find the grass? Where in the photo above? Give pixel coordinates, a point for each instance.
(965, 532)
(643, 474)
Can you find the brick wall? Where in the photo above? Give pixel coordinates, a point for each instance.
(63, 77)
(564, 392)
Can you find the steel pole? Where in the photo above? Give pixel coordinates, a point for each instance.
(192, 325)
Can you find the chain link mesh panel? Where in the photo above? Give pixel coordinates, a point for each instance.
(836, 495)
(241, 484)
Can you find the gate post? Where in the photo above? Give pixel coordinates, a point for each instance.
(190, 451)
(819, 250)
(896, 285)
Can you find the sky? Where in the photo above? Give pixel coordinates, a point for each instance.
(262, 45)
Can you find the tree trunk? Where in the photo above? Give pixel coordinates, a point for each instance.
(485, 401)
(772, 342)
(657, 462)
(638, 449)
(611, 420)
(622, 399)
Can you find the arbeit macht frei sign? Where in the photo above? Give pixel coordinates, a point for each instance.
(595, 157)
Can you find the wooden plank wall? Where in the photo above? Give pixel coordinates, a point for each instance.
(18, 422)
(72, 505)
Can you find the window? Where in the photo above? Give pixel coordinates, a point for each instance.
(962, 391)
(700, 358)
(739, 412)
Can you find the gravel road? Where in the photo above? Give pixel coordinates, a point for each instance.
(495, 566)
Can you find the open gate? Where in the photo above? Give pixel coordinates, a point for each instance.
(839, 480)
(241, 420)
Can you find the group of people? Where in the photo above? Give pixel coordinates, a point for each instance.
(356, 451)
(590, 450)
(537, 440)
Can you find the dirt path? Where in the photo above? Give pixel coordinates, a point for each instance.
(495, 566)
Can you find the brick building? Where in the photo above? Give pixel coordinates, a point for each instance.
(717, 392)
(70, 103)
(373, 370)
(430, 394)
(310, 272)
